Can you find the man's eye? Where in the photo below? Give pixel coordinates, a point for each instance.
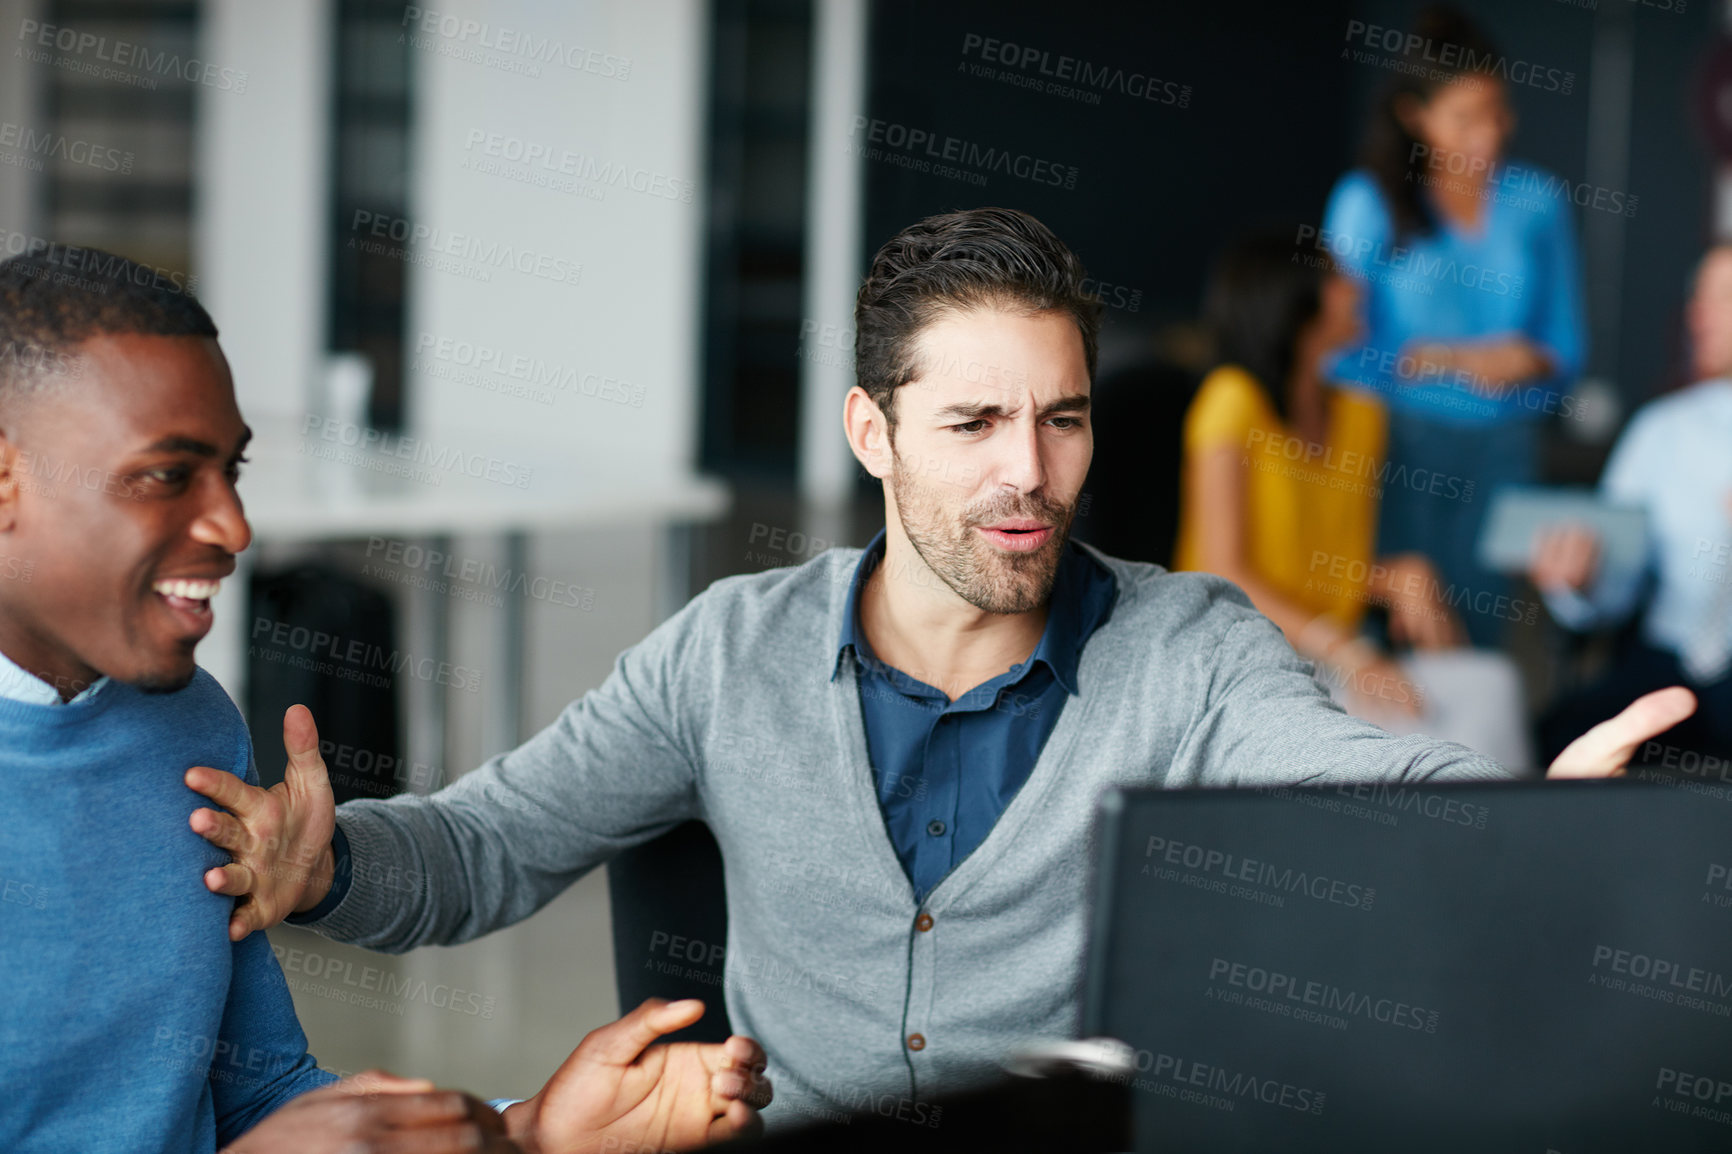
(973, 426)
(234, 469)
(172, 475)
(1067, 422)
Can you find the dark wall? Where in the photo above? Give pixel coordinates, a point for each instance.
(1272, 117)
(1158, 182)
(1671, 169)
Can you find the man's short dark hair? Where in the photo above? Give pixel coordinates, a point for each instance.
(53, 300)
(958, 262)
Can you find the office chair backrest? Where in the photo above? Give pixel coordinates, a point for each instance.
(670, 925)
(1132, 494)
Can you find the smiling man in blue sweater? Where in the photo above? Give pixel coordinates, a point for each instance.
(128, 1019)
(900, 748)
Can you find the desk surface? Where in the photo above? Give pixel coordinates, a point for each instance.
(309, 486)
(300, 486)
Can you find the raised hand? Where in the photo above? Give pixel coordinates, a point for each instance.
(618, 1091)
(1565, 557)
(280, 838)
(1606, 749)
(381, 1113)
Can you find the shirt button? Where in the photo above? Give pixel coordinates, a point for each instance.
(923, 922)
(935, 828)
(917, 1041)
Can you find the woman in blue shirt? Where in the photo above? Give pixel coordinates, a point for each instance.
(1473, 314)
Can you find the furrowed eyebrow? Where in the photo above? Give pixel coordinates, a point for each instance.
(970, 411)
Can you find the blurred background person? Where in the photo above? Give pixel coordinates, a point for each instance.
(1675, 462)
(1472, 302)
(1280, 496)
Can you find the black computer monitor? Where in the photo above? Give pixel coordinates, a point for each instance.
(1521, 967)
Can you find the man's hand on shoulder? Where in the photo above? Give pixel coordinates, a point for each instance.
(1606, 749)
(379, 1112)
(618, 1086)
(280, 838)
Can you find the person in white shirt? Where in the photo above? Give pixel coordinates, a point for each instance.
(1675, 461)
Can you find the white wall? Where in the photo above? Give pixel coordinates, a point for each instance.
(835, 219)
(261, 173)
(633, 317)
(19, 187)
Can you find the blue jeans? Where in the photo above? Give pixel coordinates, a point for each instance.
(1437, 488)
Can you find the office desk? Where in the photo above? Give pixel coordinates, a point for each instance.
(302, 488)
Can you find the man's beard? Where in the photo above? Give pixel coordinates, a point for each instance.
(989, 579)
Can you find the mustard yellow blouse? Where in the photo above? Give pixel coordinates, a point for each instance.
(1312, 522)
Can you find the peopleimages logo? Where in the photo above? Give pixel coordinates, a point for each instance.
(1327, 1004)
(1515, 181)
(1089, 80)
(932, 151)
(123, 55)
(1373, 260)
(1476, 392)
(352, 660)
(372, 229)
(856, 1099)
(515, 42)
(395, 991)
(1663, 970)
(428, 454)
(410, 559)
(1371, 584)
(105, 267)
(1416, 54)
(1696, 1095)
(1229, 867)
(1349, 470)
(1719, 886)
(1167, 1072)
(56, 146)
(540, 163)
(1661, 980)
(1384, 803)
(535, 377)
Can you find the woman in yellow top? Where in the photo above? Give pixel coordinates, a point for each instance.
(1281, 485)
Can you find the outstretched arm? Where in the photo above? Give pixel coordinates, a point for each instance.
(1267, 723)
(618, 767)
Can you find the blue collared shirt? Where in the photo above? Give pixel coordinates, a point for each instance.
(1675, 461)
(18, 685)
(945, 769)
(1516, 274)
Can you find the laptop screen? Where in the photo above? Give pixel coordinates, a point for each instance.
(1516, 967)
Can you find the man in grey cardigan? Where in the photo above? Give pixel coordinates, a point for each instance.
(899, 748)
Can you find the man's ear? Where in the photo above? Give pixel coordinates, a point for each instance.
(11, 473)
(868, 433)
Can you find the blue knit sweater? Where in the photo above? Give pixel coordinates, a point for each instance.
(128, 1020)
